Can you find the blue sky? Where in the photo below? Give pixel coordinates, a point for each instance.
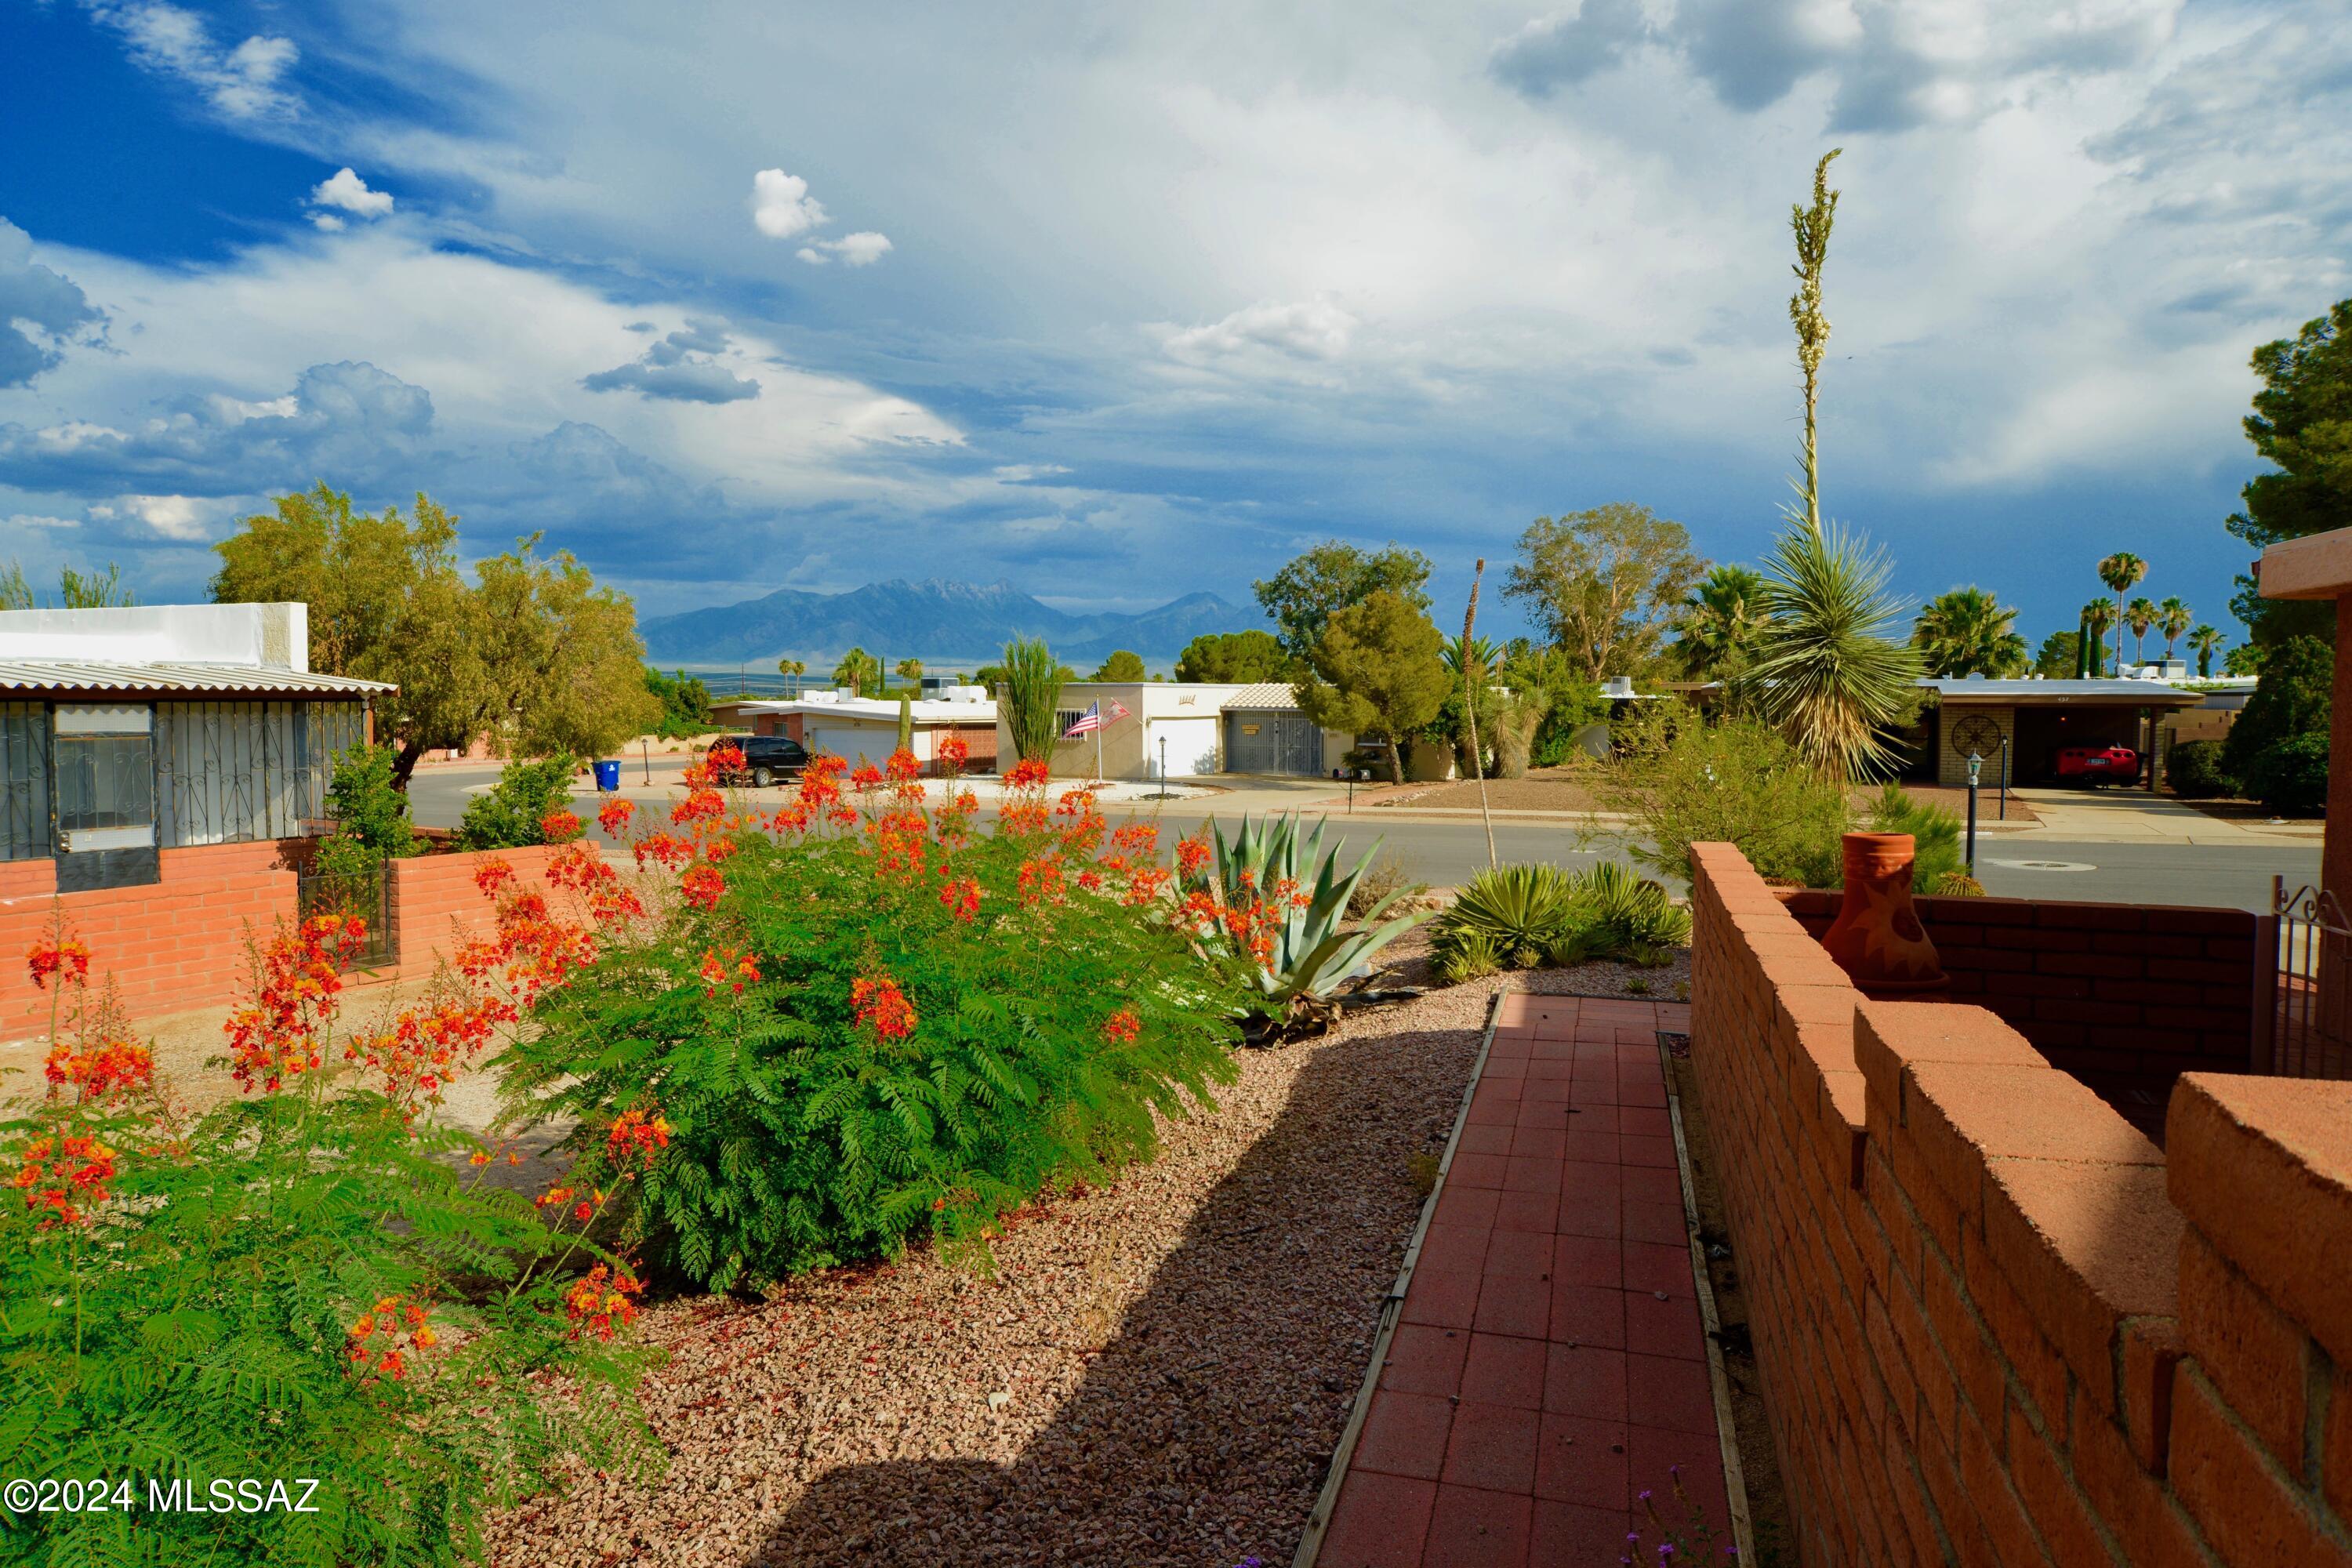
(1123, 303)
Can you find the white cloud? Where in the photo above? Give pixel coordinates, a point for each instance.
(345, 190)
(781, 204)
(861, 250)
(242, 83)
(34, 520)
(168, 517)
(1303, 330)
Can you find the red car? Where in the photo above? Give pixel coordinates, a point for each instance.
(2093, 764)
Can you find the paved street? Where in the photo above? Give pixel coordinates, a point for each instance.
(2122, 867)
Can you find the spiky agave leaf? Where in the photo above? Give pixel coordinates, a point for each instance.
(1828, 673)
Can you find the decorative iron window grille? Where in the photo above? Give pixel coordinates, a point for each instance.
(24, 781)
(230, 771)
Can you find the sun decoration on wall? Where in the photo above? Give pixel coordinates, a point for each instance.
(1975, 734)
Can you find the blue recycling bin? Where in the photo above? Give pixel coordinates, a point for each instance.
(608, 776)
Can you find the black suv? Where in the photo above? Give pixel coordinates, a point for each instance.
(766, 758)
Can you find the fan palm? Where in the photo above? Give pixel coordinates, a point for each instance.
(2120, 571)
(1721, 621)
(2205, 642)
(2139, 614)
(1966, 632)
(1826, 670)
(856, 670)
(1482, 651)
(2173, 617)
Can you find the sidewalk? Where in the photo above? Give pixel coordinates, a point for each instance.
(1548, 1368)
(2135, 816)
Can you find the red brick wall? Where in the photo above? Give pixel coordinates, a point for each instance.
(175, 943)
(2123, 996)
(436, 903)
(1994, 1327)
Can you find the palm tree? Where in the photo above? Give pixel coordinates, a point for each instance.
(1966, 632)
(1721, 621)
(790, 666)
(2097, 616)
(2120, 571)
(856, 667)
(910, 670)
(2139, 614)
(1483, 652)
(2173, 617)
(2206, 642)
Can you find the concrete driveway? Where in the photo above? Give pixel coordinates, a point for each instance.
(2130, 815)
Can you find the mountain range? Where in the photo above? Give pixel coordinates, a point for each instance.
(936, 621)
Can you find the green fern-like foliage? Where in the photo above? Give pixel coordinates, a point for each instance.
(1049, 1033)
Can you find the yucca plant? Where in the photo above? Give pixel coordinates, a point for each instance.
(1284, 895)
(1627, 915)
(1520, 912)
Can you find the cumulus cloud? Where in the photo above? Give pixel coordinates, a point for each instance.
(1307, 331)
(861, 250)
(40, 309)
(167, 517)
(348, 419)
(241, 83)
(782, 207)
(1553, 52)
(681, 367)
(346, 191)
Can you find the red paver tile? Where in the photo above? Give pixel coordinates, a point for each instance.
(1531, 1173)
(1670, 1393)
(1650, 1185)
(1404, 1434)
(1649, 1151)
(1470, 1528)
(1594, 1214)
(1565, 1535)
(1670, 1327)
(1582, 1461)
(1591, 1148)
(1556, 1093)
(1493, 1446)
(1494, 1111)
(1588, 1315)
(1540, 1113)
(1647, 1121)
(1503, 1369)
(1458, 1204)
(1501, 1068)
(1510, 1045)
(1380, 1522)
(1651, 1266)
(1594, 1090)
(1527, 1211)
(1508, 1306)
(1540, 1142)
(1521, 1254)
(1588, 1381)
(1481, 1138)
(1582, 1178)
(1476, 1170)
(1650, 1094)
(1550, 1067)
(1589, 1261)
(1655, 1222)
(1454, 1246)
(1594, 1119)
(1446, 1297)
(1426, 1359)
(1652, 1455)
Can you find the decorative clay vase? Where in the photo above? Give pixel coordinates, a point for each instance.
(1877, 937)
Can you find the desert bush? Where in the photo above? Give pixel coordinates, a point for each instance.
(1683, 781)
(1623, 914)
(2194, 770)
(309, 1281)
(513, 815)
(1938, 848)
(865, 1023)
(1384, 886)
(1471, 956)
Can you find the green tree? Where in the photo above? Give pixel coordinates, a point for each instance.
(1031, 695)
(1239, 658)
(1377, 671)
(1304, 596)
(1122, 665)
(792, 666)
(1968, 632)
(1607, 585)
(75, 590)
(370, 817)
(2292, 698)
(2246, 659)
(2097, 616)
(910, 670)
(2204, 642)
(2141, 615)
(2120, 571)
(2302, 426)
(2173, 617)
(563, 666)
(1717, 631)
(685, 703)
(857, 670)
(2060, 656)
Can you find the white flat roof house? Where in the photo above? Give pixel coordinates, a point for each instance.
(855, 726)
(1198, 727)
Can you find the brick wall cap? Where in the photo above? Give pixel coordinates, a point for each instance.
(2029, 1112)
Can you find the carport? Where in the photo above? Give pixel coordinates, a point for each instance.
(2039, 718)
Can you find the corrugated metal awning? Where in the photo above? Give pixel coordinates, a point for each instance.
(31, 676)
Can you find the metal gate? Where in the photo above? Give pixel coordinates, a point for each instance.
(1272, 741)
(2301, 1026)
(367, 894)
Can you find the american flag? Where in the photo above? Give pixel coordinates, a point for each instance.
(1091, 720)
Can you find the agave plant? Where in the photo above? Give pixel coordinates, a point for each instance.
(1515, 916)
(1629, 915)
(1519, 912)
(1302, 894)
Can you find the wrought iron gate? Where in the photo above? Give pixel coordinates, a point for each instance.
(367, 894)
(2301, 1026)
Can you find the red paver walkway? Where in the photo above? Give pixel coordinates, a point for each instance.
(1548, 1365)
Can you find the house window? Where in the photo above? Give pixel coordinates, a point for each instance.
(24, 781)
(106, 776)
(1066, 717)
(233, 771)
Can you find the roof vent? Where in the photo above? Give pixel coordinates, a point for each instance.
(1617, 686)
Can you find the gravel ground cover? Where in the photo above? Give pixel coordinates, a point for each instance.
(1156, 1373)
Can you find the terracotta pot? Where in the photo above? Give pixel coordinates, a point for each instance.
(1877, 937)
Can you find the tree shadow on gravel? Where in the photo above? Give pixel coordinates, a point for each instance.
(1201, 1431)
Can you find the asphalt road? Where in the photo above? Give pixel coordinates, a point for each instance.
(1444, 854)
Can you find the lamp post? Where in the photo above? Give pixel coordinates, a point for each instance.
(1976, 766)
(1163, 767)
(2004, 778)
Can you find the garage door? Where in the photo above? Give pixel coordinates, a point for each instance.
(1272, 742)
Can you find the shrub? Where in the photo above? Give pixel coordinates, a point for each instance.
(1519, 912)
(512, 814)
(1624, 914)
(2291, 774)
(1683, 781)
(1519, 916)
(2193, 769)
(295, 1284)
(1938, 848)
(371, 821)
(872, 1025)
(685, 703)
(1384, 885)
(2292, 696)
(1029, 692)
(1472, 956)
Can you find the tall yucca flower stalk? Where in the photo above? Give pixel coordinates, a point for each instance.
(1030, 691)
(1826, 672)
